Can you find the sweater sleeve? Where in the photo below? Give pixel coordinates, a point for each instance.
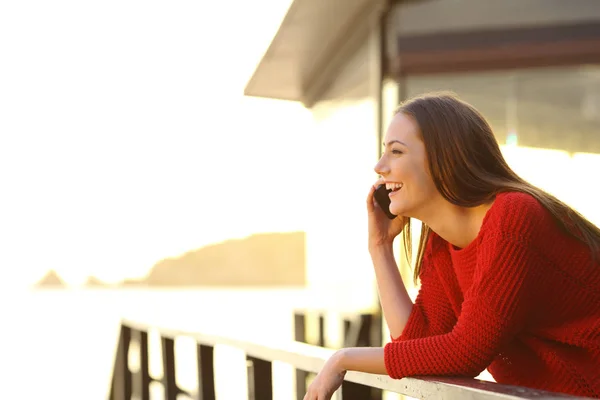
(495, 308)
(432, 312)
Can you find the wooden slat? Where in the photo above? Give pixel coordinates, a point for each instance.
(122, 384)
(168, 359)
(260, 379)
(144, 374)
(300, 336)
(206, 373)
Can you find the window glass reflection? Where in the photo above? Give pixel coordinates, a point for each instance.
(547, 122)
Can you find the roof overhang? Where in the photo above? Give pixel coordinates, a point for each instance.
(313, 40)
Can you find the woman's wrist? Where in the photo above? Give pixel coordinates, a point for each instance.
(339, 360)
(362, 359)
(381, 247)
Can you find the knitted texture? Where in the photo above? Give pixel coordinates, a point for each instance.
(522, 300)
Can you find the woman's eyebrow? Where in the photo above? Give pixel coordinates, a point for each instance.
(394, 141)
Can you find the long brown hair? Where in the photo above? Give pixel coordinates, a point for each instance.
(468, 168)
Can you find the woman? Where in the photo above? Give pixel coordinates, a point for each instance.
(510, 276)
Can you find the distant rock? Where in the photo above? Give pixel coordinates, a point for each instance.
(268, 259)
(51, 280)
(93, 282)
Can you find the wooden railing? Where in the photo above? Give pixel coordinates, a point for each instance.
(305, 358)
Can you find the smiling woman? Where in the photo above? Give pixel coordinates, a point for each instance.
(510, 275)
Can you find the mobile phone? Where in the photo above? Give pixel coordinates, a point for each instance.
(383, 199)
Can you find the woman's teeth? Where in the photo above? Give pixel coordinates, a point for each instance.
(393, 186)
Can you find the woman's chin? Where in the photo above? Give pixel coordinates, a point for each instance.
(397, 208)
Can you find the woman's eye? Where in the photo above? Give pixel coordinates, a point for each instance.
(397, 152)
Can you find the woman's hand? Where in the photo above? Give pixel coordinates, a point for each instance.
(328, 380)
(382, 230)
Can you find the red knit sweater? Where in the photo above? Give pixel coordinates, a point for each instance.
(522, 300)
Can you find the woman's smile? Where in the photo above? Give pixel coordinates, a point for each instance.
(393, 188)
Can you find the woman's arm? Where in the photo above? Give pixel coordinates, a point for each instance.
(395, 301)
(431, 314)
(495, 309)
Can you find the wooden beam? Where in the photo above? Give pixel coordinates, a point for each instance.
(497, 49)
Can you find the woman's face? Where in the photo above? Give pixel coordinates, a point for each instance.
(403, 166)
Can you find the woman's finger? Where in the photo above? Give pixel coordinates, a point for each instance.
(370, 199)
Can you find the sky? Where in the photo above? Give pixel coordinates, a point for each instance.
(125, 136)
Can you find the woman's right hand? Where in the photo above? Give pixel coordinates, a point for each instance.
(382, 230)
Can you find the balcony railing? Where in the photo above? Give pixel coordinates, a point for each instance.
(305, 359)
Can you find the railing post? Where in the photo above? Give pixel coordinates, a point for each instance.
(321, 330)
(260, 379)
(376, 330)
(206, 375)
(122, 380)
(143, 378)
(168, 359)
(300, 336)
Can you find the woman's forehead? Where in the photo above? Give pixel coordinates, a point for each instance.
(402, 129)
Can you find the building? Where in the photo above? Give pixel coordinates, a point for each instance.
(531, 66)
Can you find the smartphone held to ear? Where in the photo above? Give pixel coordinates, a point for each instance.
(383, 199)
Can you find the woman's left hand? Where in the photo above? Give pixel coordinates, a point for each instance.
(328, 380)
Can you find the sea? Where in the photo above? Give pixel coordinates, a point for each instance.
(60, 343)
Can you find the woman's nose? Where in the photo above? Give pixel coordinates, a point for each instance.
(381, 167)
